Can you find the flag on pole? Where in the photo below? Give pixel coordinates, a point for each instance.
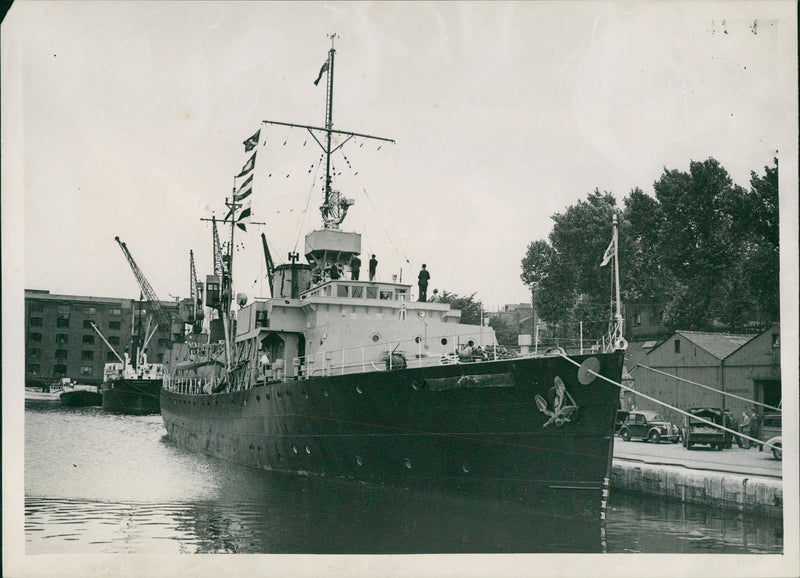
(248, 166)
(321, 72)
(244, 218)
(252, 142)
(609, 253)
(244, 190)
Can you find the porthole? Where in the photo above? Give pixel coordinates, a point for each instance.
(358, 389)
(444, 340)
(308, 450)
(465, 467)
(407, 462)
(294, 449)
(418, 339)
(325, 392)
(376, 338)
(414, 385)
(358, 461)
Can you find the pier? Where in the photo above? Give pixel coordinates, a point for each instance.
(744, 479)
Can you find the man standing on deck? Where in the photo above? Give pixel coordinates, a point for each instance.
(423, 278)
(355, 268)
(373, 266)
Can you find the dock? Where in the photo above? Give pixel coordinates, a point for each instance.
(743, 479)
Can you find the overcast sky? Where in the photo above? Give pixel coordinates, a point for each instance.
(133, 116)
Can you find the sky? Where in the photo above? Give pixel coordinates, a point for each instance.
(132, 117)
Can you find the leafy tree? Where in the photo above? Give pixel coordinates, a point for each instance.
(642, 275)
(761, 258)
(469, 306)
(580, 236)
(505, 332)
(696, 241)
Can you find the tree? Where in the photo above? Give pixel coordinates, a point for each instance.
(642, 275)
(695, 239)
(471, 308)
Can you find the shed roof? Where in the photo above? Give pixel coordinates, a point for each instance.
(720, 345)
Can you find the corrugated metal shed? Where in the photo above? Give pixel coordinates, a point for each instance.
(720, 345)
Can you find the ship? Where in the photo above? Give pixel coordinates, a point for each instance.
(133, 387)
(340, 376)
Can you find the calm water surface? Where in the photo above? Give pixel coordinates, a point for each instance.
(103, 483)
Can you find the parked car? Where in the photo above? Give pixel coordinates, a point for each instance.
(771, 430)
(699, 432)
(649, 425)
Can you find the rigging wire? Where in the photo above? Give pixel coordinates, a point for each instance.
(400, 253)
(659, 402)
(302, 221)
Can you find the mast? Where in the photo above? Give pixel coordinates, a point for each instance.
(335, 205)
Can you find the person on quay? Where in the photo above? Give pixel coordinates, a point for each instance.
(422, 282)
(373, 267)
(744, 427)
(755, 427)
(355, 268)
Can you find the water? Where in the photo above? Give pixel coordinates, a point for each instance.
(103, 483)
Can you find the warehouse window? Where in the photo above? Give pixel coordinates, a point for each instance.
(91, 311)
(677, 345)
(88, 338)
(59, 370)
(86, 370)
(35, 322)
(115, 312)
(61, 353)
(113, 324)
(34, 336)
(62, 338)
(113, 339)
(62, 322)
(87, 354)
(33, 368)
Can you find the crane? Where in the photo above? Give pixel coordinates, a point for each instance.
(196, 293)
(147, 290)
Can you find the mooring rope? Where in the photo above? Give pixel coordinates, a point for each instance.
(711, 388)
(659, 402)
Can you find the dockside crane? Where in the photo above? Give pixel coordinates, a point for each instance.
(196, 294)
(147, 290)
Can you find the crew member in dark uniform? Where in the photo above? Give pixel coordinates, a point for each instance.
(355, 267)
(423, 278)
(373, 266)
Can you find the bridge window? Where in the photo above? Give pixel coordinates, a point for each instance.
(386, 295)
(341, 290)
(357, 291)
(372, 292)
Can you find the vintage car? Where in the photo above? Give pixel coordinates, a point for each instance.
(649, 425)
(699, 432)
(771, 428)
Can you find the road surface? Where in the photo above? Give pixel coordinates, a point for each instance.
(736, 460)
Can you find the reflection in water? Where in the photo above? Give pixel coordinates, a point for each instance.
(104, 483)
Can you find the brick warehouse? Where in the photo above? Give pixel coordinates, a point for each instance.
(60, 341)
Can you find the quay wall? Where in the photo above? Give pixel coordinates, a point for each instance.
(751, 494)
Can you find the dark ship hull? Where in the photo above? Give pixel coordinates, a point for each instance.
(81, 398)
(134, 396)
(490, 429)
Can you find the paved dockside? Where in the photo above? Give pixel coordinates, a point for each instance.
(741, 479)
